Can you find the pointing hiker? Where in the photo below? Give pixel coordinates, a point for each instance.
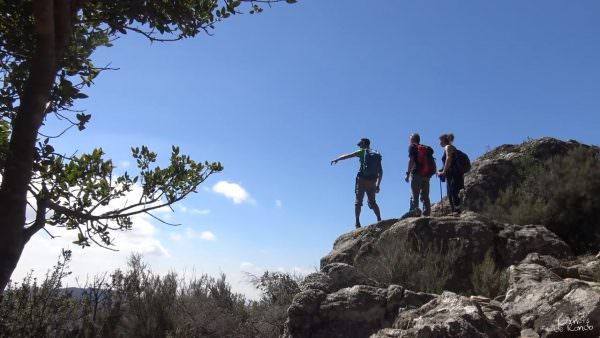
(456, 163)
(421, 166)
(368, 178)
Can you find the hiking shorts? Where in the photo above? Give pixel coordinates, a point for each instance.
(365, 186)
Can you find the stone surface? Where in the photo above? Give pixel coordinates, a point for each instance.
(357, 311)
(449, 315)
(336, 276)
(540, 300)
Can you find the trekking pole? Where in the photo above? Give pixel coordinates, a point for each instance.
(441, 196)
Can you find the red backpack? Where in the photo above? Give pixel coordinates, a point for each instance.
(425, 161)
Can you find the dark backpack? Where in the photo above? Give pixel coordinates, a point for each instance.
(463, 162)
(371, 164)
(425, 162)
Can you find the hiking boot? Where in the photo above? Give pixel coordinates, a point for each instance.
(412, 213)
(455, 213)
(357, 226)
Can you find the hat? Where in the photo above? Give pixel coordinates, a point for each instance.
(365, 140)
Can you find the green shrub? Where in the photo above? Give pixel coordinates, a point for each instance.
(562, 193)
(487, 279)
(414, 265)
(139, 303)
(32, 309)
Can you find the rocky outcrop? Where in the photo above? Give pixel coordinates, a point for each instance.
(367, 283)
(538, 303)
(383, 250)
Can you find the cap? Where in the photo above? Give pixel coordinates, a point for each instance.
(365, 140)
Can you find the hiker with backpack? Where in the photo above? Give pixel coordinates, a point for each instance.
(456, 164)
(368, 178)
(421, 166)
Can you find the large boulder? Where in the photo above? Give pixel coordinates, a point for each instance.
(392, 250)
(545, 304)
(356, 311)
(449, 315)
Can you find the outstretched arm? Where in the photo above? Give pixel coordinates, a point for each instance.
(344, 157)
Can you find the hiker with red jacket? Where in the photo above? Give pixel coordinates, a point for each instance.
(368, 178)
(453, 170)
(421, 166)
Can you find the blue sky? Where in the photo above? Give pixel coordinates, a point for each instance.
(276, 96)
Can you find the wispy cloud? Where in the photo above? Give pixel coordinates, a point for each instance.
(207, 236)
(194, 211)
(278, 203)
(200, 211)
(204, 235)
(232, 191)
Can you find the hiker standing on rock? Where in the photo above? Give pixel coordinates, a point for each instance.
(452, 171)
(368, 178)
(421, 166)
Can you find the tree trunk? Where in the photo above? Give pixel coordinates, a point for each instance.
(52, 29)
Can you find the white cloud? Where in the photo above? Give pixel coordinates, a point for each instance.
(233, 191)
(182, 207)
(124, 164)
(278, 203)
(207, 236)
(200, 211)
(204, 235)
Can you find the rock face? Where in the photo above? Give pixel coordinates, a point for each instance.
(449, 315)
(331, 306)
(545, 303)
(384, 251)
(538, 303)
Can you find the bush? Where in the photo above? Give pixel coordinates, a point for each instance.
(278, 290)
(487, 279)
(40, 310)
(139, 303)
(414, 265)
(562, 193)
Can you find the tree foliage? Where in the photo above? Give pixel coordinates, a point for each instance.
(46, 65)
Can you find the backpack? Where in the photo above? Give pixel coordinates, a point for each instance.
(425, 162)
(371, 164)
(463, 162)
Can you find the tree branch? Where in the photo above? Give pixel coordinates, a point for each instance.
(40, 219)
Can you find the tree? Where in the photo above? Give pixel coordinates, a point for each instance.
(45, 63)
